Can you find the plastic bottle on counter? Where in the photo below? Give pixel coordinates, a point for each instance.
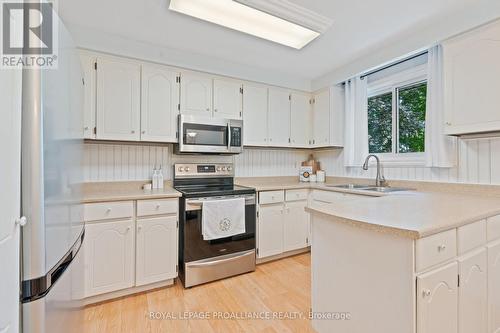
(155, 178)
(160, 178)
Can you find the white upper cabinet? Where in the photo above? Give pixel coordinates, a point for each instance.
(118, 99)
(89, 91)
(337, 105)
(159, 104)
(279, 117)
(255, 115)
(472, 81)
(196, 94)
(227, 99)
(300, 119)
(156, 256)
(473, 293)
(321, 119)
(437, 300)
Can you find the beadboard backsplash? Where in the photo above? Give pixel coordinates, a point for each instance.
(478, 163)
(122, 162)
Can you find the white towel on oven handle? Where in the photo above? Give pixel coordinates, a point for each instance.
(223, 218)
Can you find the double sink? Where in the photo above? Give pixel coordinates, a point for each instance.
(362, 187)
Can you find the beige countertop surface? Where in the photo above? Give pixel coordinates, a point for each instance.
(105, 192)
(412, 214)
(432, 208)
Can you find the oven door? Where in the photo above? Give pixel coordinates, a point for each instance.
(209, 135)
(196, 248)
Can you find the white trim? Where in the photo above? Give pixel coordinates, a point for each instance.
(406, 77)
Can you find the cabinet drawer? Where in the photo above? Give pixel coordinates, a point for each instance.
(108, 210)
(270, 197)
(331, 197)
(471, 236)
(493, 228)
(296, 195)
(157, 207)
(435, 249)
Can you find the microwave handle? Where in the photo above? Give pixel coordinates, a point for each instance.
(228, 136)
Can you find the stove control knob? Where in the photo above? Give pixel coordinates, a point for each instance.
(223, 168)
(219, 168)
(187, 169)
(229, 168)
(180, 169)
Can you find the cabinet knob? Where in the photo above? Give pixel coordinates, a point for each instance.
(21, 221)
(86, 128)
(441, 248)
(215, 110)
(208, 109)
(143, 132)
(139, 227)
(426, 293)
(448, 123)
(157, 206)
(132, 131)
(128, 229)
(108, 210)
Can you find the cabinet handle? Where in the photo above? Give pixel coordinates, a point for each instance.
(426, 293)
(157, 206)
(448, 123)
(441, 248)
(127, 230)
(132, 131)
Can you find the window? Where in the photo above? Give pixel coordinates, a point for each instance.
(396, 115)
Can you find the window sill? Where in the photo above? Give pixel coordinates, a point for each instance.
(398, 161)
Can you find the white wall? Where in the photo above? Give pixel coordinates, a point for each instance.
(478, 163)
(122, 162)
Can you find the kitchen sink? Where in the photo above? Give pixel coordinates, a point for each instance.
(386, 189)
(351, 186)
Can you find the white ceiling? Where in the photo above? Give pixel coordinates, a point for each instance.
(359, 27)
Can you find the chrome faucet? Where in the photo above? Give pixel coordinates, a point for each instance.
(380, 179)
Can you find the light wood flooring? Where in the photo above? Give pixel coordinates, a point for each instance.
(279, 286)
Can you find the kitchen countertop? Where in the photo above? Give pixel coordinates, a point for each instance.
(120, 191)
(412, 214)
(432, 208)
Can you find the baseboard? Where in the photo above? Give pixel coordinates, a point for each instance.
(282, 255)
(126, 292)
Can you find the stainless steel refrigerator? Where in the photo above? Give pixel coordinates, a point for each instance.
(52, 151)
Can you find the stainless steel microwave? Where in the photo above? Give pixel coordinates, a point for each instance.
(209, 135)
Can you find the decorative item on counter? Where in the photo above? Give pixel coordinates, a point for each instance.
(160, 178)
(305, 173)
(155, 178)
(312, 163)
(147, 187)
(312, 178)
(320, 176)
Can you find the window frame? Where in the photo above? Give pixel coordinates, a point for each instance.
(392, 84)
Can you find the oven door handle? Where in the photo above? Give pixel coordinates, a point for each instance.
(228, 136)
(229, 258)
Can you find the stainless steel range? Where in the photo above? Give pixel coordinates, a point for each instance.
(202, 260)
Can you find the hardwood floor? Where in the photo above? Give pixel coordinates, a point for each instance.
(279, 286)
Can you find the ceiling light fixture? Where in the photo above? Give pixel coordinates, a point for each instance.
(279, 21)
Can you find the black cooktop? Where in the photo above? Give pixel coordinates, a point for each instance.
(213, 190)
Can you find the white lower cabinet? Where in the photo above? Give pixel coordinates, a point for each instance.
(494, 287)
(437, 300)
(109, 256)
(295, 226)
(156, 254)
(283, 225)
(472, 293)
(270, 230)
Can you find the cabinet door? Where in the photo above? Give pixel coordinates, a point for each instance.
(160, 99)
(300, 120)
(89, 94)
(494, 287)
(472, 294)
(255, 115)
(472, 81)
(118, 99)
(279, 117)
(227, 99)
(196, 94)
(270, 230)
(296, 226)
(337, 98)
(109, 256)
(321, 119)
(156, 256)
(437, 300)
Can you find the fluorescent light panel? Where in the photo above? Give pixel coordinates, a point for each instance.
(237, 16)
